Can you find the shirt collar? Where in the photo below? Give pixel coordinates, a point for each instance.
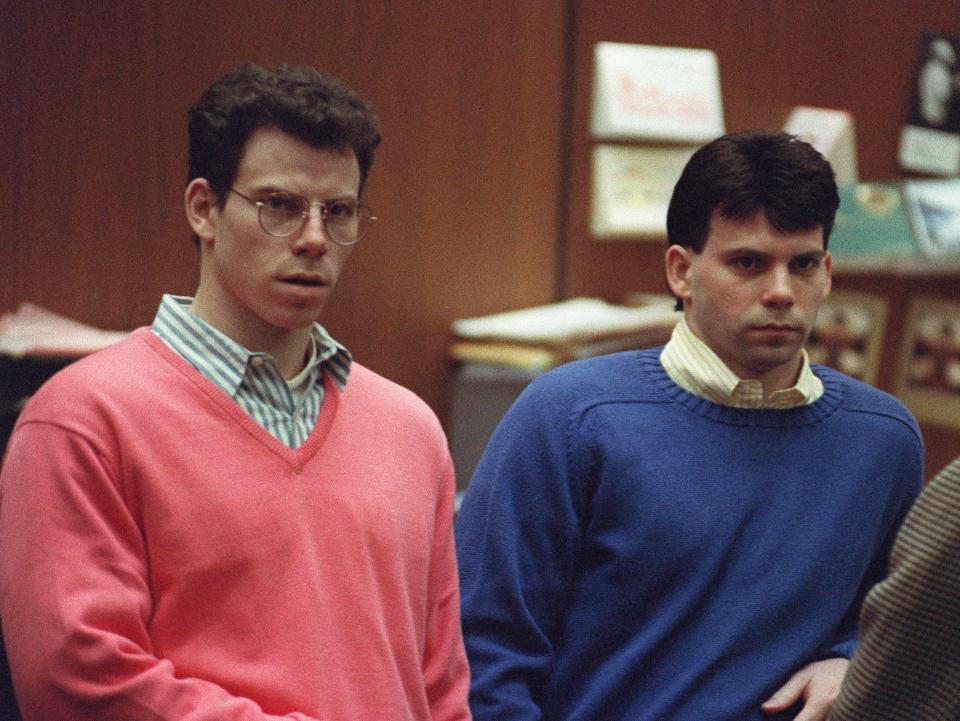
(223, 360)
(693, 366)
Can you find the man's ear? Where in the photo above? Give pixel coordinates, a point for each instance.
(203, 213)
(677, 263)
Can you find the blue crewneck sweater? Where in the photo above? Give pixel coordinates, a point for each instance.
(631, 551)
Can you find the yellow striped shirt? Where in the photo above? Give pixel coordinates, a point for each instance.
(693, 366)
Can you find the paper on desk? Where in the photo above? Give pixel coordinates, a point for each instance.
(33, 330)
(574, 319)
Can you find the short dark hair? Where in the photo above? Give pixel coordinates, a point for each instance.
(312, 106)
(744, 173)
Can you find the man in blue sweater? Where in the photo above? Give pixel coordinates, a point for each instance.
(686, 533)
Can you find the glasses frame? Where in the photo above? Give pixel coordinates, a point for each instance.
(305, 215)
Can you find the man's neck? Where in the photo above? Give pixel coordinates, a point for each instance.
(289, 347)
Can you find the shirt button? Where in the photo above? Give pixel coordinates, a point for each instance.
(257, 361)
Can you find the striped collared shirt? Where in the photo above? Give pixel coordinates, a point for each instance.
(693, 366)
(287, 410)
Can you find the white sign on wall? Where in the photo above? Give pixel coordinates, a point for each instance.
(632, 187)
(656, 93)
(830, 132)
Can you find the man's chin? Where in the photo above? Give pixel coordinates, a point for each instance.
(773, 357)
(294, 321)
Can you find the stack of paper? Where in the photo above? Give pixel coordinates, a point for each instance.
(544, 336)
(32, 330)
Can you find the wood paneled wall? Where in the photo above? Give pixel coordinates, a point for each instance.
(482, 182)
(773, 55)
(93, 143)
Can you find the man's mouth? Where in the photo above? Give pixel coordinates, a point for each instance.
(304, 280)
(777, 331)
(776, 327)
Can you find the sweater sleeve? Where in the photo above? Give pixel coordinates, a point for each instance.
(908, 661)
(517, 543)
(910, 476)
(74, 596)
(445, 671)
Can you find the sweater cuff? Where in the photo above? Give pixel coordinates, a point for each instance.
(842, 649)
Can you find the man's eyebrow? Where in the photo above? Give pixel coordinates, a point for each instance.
(270, 188)
(819, 254)
(743, 250)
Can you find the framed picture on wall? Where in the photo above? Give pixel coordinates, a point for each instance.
(930, 138)
(848, 334)
(929, 371)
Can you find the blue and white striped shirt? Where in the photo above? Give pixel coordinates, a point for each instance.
(288, 410)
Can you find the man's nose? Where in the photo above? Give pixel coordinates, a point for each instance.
(779, 292)
(313, 239)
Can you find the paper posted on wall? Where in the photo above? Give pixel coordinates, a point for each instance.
(831, 133)
(656, 93)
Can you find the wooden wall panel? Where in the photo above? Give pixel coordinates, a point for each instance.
(773, 55)
(93, 141)
(468, 181)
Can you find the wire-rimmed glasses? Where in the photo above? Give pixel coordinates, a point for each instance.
(282, 214)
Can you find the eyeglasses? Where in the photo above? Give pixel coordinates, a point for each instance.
(283, 214)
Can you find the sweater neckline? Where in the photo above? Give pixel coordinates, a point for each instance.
(295, 457)
(825, 406)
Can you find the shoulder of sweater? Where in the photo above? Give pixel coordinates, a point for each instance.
(615, 374)
(941, 498)
(862, 398)
(385, 393)
(371, 400)
(950, 475)
(104, 371)
(100, 389)
(579, 386)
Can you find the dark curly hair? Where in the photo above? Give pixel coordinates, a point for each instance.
(316, 108)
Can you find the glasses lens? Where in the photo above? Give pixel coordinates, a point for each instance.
(282, 213)
(347, 222)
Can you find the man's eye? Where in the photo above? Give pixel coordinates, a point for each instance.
(285, 204)
(341, 210)
(746, 262)
(804, 264)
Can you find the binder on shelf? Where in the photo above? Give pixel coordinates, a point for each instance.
(934, 209)
(910, 228)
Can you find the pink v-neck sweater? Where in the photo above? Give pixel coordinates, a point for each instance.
(164, 557)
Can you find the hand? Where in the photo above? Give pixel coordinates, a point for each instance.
(818, 683)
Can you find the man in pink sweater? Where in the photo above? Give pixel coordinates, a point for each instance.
(223, 517)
